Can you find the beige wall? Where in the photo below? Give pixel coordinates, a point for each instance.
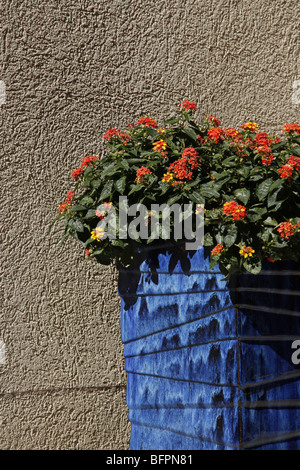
(73, 69)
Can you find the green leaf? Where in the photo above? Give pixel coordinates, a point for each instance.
(242, 194)
(77, 208)
(244, 171)
(190, 133)
(119, 243)
(123, 163)
(135, 188)
(253, 267)
(90, 214)
(132, 161)
(109, 170)
(120, 184)
(208, 240)
(196, 197)
(171, 121)
(231, 235)
(270, 221)
(87, 200)
(76, 225)
(264, 188)
(107, 191)
(229, 162)
(96, 183)
(173, 199)
(207, 191)
(296, 151)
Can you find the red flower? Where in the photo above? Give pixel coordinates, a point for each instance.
(294, 162)
(215, 121)
(215, 133)
(285, 171)
(267, 159)
(236, 210)
(217, 249)
(231, 132)
(87, 161)
(188, 105)
(291, 128)
(140, 173)
(286, 230)
(64, 206)
(250, 126)
(110, 134)
(77, 173)
(190, 152)
(181, 169)
(147, 122)
(125, 137)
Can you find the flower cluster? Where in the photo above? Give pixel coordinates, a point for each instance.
(147, 122)
(235, 210)
(86, 161)
(217, 249)
(140, 174)
(188, 105)
(287, 229)
(160, 146)
(64, 206)
(291, 129)
(114, 133)
(292, 165)
(97, 234)
(107, 207)
(263, 146)
(215, 134)
(250, 126)
(246, 251)
(245, 183)
(182, 169)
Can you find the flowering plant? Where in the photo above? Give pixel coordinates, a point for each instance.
(246, 182)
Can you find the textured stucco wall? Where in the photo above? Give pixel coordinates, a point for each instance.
(72, 69)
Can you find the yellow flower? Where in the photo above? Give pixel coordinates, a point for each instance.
(159, 145)
(97, 234)
(250, 126)
(161, 131)
(246, 251)
(167, 177)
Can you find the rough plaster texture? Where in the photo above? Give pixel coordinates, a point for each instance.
(72, 69)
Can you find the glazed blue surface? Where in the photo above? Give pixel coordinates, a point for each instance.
(209, 361)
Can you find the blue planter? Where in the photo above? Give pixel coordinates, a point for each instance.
(209, 362)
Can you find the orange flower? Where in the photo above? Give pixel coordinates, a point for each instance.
(140, 174)
(160, 145)
(246, 251)
(217, 249)
(188, 105)
(215, 133)
(286, 230)
(215, 121)
(236, 210)
(167, 177)
(285, 171)
(291, 128)
(147, 122)
(250, 126)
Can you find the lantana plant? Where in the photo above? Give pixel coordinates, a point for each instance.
(247, 181)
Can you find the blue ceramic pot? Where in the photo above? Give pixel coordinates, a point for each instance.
(209, 362)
